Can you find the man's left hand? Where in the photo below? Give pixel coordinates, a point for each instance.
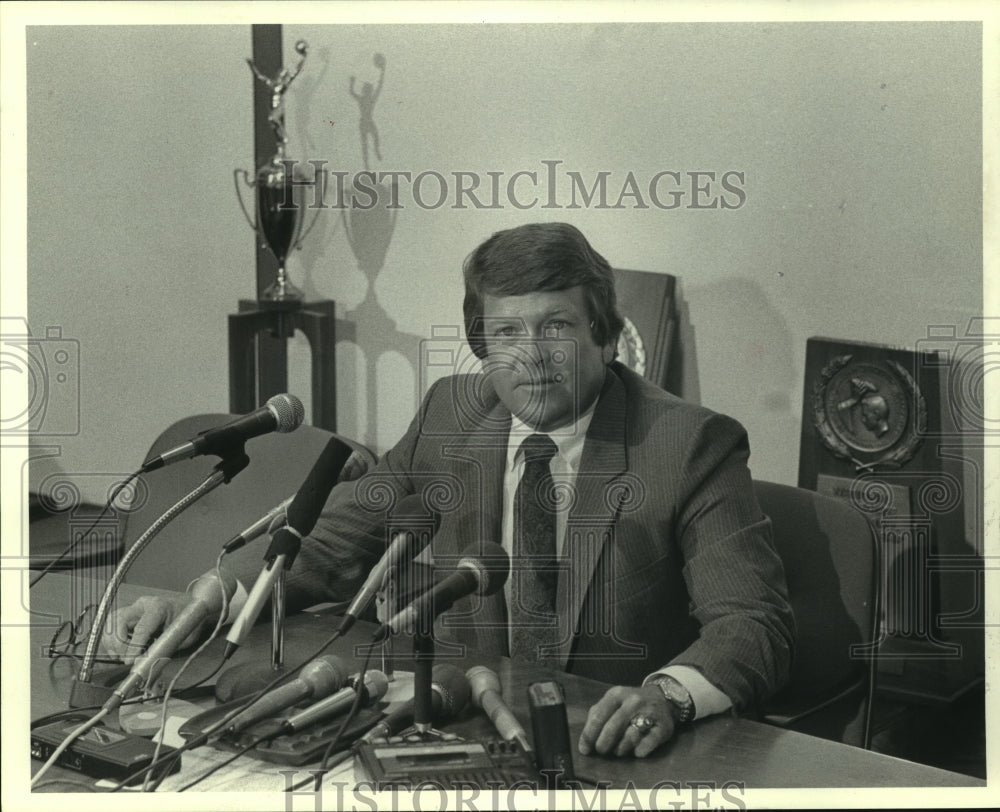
(615, 724)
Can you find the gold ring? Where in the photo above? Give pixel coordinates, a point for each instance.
(642, 722)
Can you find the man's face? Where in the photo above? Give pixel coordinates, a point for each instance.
(541, 356)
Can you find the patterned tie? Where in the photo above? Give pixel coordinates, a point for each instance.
(533, 564)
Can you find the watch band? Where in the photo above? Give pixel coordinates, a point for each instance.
(678, 697)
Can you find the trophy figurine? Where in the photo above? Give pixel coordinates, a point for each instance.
(279, 220)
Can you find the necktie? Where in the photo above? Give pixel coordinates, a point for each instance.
(533, 565)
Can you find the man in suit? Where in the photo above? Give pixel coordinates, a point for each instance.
(639, 555)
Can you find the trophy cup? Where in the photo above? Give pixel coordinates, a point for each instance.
(279, 216)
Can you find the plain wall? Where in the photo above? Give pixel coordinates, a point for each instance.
(860, 145)
(136, 246)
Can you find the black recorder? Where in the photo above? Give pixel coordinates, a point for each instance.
(550, 727)
(100, 752)
(492, 763)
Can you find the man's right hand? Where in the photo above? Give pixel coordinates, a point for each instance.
(132, 629)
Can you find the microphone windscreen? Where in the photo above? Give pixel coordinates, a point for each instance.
(491, 562)
(453, 688)
(481, 679)
(325, 674)
(288, 411)
(311, 497)
(376, 684)
(206, 589)
(411, 527)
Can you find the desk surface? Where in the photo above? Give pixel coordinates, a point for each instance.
(719, 749)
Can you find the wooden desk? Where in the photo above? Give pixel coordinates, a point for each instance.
(720, 749)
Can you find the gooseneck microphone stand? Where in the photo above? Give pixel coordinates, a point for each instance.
(84, 693)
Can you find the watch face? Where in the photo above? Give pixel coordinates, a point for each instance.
(678, 696)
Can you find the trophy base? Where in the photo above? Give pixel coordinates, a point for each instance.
(281, 296)
(280, 305)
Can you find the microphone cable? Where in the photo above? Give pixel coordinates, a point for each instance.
(204, 679)
(325, 765)
(72, 545)
(71, 737)
(136, 700)
(268, 736)
(216, 767)
(203, 737)
(55, 717)
(223, 615)
(348, 718)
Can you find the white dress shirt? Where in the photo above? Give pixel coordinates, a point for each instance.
(564, 467)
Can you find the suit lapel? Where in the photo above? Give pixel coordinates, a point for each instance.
(604, 460)
(479, 455)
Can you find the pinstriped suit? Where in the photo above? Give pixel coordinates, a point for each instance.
(667, 557)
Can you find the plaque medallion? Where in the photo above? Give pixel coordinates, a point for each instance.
(631, 350)
(868, 413)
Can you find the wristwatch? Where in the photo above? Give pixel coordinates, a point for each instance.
(677, 696)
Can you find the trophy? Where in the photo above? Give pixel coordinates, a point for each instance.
(278, 221)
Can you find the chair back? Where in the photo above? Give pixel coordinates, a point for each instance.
(830, 555)
(646, 345)
(190, 544)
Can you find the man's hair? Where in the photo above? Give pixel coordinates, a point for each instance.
(540, 257)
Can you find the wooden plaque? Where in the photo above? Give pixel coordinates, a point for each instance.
(877, 430)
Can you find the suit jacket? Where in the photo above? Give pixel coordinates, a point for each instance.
(667, 558)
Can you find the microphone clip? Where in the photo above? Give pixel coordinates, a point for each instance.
(286, 542)
(233, 461)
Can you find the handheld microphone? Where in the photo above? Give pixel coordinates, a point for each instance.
(483, 569)
(282, 413)
(207, 601)
(318, 679)
(302, 514)
(265, 524)
(375, 685)
(449, 696)
(416, 526)
(486, 695)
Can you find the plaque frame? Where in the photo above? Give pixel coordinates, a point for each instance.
(914, 475)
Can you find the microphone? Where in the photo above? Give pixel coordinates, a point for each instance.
(485, 687)
(449, 695)
(282, 413)
(207, 601)
(301, 517)
(374, 688)
(258, 528)
(483, 569)
(318, 679)
(417, 526)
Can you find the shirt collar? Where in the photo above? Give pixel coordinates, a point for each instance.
(569, 439)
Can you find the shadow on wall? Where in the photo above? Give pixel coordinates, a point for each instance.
(386, 358)
(369, 221)
(747, 344)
